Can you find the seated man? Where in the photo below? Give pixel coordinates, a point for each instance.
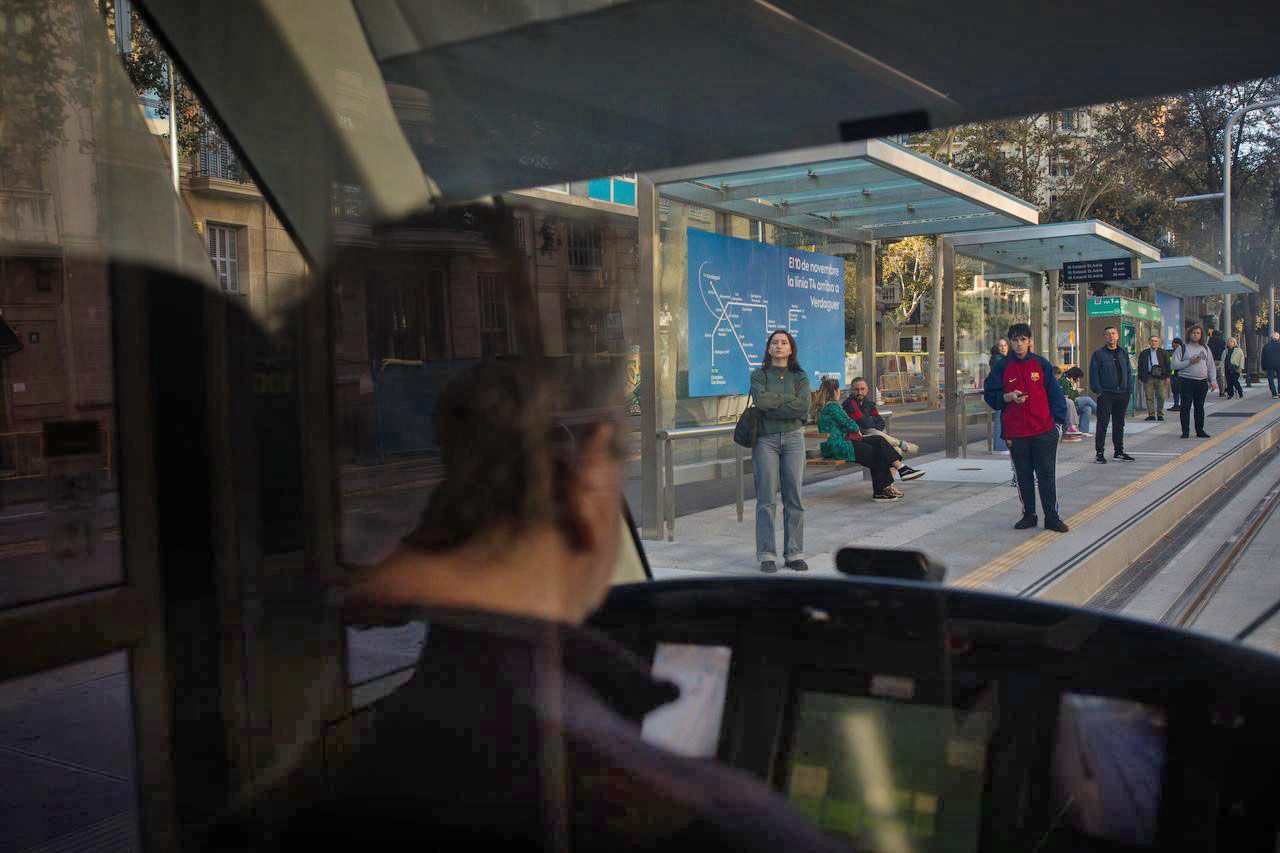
(861, 408)
(518, 727)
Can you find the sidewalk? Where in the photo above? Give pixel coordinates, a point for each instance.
(961, 513)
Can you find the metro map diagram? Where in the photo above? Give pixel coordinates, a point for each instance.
(740, 291)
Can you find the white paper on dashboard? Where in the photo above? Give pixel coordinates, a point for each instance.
(690, 725)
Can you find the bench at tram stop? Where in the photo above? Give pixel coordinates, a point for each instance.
(814, 457)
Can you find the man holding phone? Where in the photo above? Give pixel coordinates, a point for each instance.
(1111, 378)
(1033, 412)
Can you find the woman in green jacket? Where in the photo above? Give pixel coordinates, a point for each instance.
(780, 389)
(846, 441)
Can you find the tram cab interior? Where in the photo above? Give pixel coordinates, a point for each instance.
(895, 712)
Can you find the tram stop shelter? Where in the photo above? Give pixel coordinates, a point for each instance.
(1037, 252)
(837, 200)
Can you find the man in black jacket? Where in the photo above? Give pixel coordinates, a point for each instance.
(1271, 363)
(1111, 378)
(1153, 372)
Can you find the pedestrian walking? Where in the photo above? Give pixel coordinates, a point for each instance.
(1111, 378)
(1033, 409)
(1195, 367)
(780, 389)
(1153, 373)
(1271, 364)
(1232, 367)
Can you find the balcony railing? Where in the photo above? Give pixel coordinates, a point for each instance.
(215, 159)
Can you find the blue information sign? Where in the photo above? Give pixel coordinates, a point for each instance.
(740, 291)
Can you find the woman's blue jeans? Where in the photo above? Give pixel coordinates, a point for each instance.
(1088, 408)
(777, 460)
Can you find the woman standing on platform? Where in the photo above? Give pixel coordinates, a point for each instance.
(999, 351)
(780, 389)
(1197, 374)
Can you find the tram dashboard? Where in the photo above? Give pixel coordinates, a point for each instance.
(907, 716)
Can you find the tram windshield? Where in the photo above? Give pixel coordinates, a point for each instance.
(622, 293)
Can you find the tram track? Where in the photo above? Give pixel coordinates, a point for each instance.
(1191, 603)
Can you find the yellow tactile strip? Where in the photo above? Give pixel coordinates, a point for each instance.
(990, 571)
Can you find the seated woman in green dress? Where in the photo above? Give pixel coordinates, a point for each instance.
(845, 441)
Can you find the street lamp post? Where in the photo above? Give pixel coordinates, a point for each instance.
(1226, 188)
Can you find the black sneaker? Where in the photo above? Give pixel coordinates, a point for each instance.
(1028, 520)
(906, 472)
(1202, 435)
(798, 565)
(1057, 525)
(1151, 417)
(1100, 458)
(1120, 454)
(768, 566)
(1186, 435)
(1159, 417)
(885, 497)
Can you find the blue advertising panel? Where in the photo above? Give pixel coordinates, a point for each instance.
(1171, 312)
(740, 291)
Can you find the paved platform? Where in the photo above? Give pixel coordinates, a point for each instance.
(962, 512)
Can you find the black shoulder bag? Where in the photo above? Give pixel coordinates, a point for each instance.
(750, 422)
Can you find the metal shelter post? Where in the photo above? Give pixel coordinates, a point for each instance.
(935, 327)
(1271, 310)
(867, 296)
(1055, 304)
(1037, 313)
(954, 407)
(650, 278)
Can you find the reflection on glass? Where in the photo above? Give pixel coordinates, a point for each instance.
(67, 759)
(416, 303)
(886, 775)
(1108, 765)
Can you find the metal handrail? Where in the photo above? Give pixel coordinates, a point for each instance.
(668, 437)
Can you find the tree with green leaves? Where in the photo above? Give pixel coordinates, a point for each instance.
(149, 67)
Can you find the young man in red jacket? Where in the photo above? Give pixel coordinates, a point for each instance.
(1033, 412)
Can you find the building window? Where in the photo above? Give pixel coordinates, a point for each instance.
(1072, 121)
(1059, 166)
(618, 190)
(495, 316)
(224, 251)
(584, 246)
(217, 160)
(521, 226)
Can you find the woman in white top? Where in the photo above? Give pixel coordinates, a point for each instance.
(1196, 370)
